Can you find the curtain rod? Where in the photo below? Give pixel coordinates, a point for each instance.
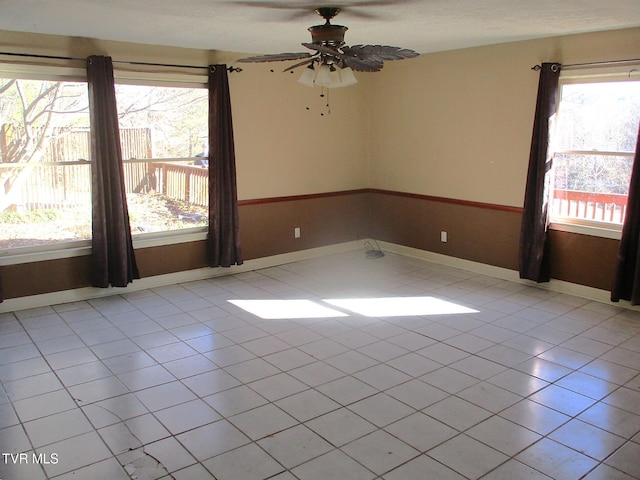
(591, 64)
(148, 64)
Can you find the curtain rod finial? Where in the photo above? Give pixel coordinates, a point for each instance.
(231, 69)
(554, 67)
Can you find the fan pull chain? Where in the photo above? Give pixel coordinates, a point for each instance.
(324, 93)
(328, 106)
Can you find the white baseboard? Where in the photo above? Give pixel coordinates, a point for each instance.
(560, 286)
(88, 293)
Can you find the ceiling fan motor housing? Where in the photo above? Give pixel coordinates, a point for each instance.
(328, 34)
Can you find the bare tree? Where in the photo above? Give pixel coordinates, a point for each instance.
(29, 113)
(175, 114)
(598, 118)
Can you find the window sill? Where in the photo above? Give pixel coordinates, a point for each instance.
(82, 248)
(185, 235)
(582, 229)
(41, 253)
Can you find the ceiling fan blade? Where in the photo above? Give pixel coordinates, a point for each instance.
(363, 64)
(323, 49)
(299, 64)
(305, 8)
(378, 52)
(276, 57)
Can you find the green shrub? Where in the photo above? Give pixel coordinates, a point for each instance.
(12, 217)
(43, 215)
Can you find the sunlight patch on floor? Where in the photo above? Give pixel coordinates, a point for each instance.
(399, 306)
(277, 309)
(369, 307)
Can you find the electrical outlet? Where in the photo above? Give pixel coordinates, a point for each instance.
(296, 232)
(443, 236)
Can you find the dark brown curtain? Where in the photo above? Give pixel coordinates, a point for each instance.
(223, 241)
(113, 259)
(534, 245)
(626, 283)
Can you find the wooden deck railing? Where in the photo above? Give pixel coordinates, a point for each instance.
(52, 185)
(189, 183)
(603, 207)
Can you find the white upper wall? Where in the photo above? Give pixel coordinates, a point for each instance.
(454, 124)
(458, 124)
(287, 141)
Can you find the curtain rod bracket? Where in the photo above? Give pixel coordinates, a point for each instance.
(231, 69)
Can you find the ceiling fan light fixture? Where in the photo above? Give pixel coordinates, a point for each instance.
(347, 78)
(308, 76)
(327, 76)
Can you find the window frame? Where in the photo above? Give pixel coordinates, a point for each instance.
(74, 70)
(151, 76)
(581, 75)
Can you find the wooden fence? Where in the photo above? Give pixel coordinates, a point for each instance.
(33, 186)
(72, 145)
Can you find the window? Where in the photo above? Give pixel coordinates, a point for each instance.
(45, 183)
(45, 167)
(164, 139)
(595, 141)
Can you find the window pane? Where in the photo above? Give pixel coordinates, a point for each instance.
(595, 117)
(591, 187)
(158, 124)
(43, 198)
(593, 173)
(599, 116)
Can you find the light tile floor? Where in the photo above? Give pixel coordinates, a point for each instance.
(457, 375)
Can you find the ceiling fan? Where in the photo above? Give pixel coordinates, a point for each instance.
(332, 63)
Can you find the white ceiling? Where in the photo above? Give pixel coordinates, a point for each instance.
(265, 26)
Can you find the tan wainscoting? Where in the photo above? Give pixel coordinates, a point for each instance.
(478, 232)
